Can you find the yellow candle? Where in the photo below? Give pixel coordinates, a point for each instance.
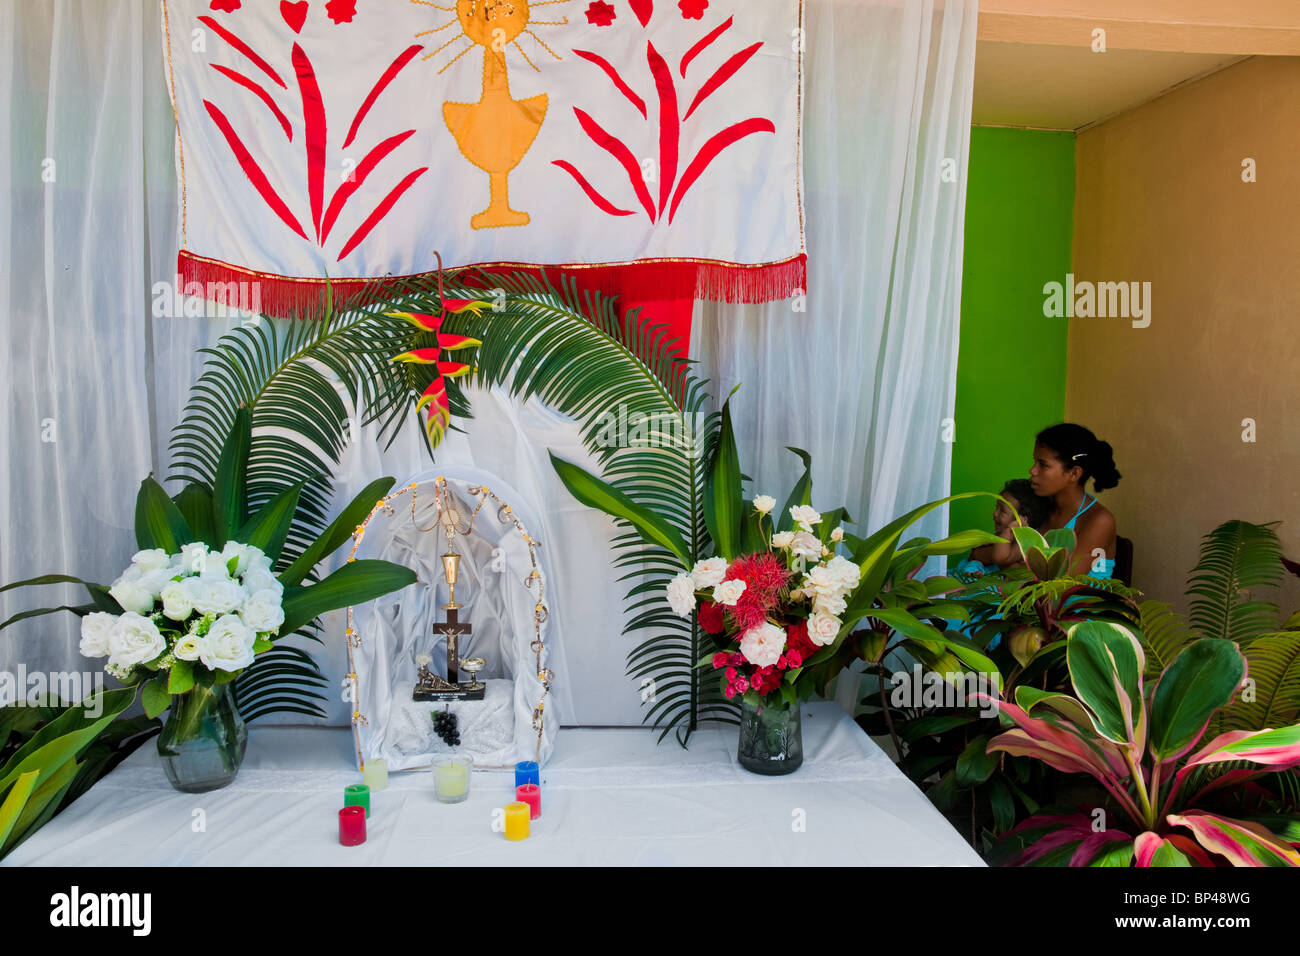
(375, 775)
(451, 779)
(517, 815)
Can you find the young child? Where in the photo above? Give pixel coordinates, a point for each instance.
(1033, 511)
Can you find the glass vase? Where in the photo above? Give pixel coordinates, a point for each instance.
(203, 740)
(771, 738)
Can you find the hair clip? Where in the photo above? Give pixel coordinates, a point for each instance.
(1082, 454)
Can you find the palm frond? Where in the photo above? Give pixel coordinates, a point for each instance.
(1236, 557)
(1273, 698)
(1164, 632)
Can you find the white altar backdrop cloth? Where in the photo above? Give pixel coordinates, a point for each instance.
(609, 797)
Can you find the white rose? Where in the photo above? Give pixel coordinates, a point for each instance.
(214, 567)
(188, 647)
(228, 645)
(846, 572)
(154, 559)
(832, 604)
(132, 596)
(681, 595)
(246, 556)
(193, 557)
(176, 601)
(782, 539)
(764, 504)
(805, 516)
(96, 629)
(709, 573)
(728, 592)
(154, 581)
(258, 561)
(806, 545)
(261, 579)
(134, 640)
(762, 645)
(821, 580)
(822, 629)
(262, 612)
(214, 596)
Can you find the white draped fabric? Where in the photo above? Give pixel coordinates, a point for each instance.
(861, 374)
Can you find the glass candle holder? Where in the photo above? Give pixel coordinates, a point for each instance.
(527, 771)
(517, 817)
(352, 826)
(375, 775)
(357, 795)
(531, 794)
(451, 778)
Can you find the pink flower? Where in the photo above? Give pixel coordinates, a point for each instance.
(742, 684)
(600, 14)
(224, 6)
(730, 691)
(731, 674)
(341, 11)
(693, 9)
(720, 660)
(794, 659)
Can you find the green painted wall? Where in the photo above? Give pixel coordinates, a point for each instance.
(1011, 363)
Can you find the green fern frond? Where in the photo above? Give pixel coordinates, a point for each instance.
(1236, 557)
(1273, 665)
(1163, 633)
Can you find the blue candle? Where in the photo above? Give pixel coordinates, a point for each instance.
(526, 772)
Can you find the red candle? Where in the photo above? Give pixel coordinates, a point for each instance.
(352, 826)
(531, 794)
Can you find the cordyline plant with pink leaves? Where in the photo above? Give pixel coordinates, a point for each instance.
(1144, 746)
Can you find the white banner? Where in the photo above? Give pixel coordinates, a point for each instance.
(353, 138)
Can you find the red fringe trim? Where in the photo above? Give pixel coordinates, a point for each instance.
(648, 281)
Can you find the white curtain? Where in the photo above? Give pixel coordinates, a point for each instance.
(863, 378)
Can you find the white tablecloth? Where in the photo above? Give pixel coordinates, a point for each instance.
(610, 796)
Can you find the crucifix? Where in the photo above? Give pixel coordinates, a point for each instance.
(429, 686)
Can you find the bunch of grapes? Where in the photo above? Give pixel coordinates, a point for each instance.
(444, 725)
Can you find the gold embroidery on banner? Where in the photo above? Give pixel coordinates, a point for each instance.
(180, 149)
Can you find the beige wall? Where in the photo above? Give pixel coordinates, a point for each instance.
(1160, 198)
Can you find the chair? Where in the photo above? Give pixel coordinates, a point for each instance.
(1124, 560)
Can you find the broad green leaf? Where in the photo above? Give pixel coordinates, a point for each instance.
(15, 801)
(1060, 538)
(961, 542)
(724, 503)
(975, 765)
(1029, 538)
(182, 677)
(800, 494)
(1118, 853)
(41, 804)
(339, 531)
(155, 697)
(195, 505)
(230, 486)
(354, 583)
(1243, 843)
(158, 522)
(269, 528)
(598, 494)
(1106, 662)
(65, 736)
(1203, 678)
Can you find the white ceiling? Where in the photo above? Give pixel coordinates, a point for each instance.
(1070, 87)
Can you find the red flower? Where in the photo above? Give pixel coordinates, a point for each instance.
(711, 617)
(731, 674)
(797, 644)
(600, 14)
(693, 9)
(720, 660)
(341, 11)
(764, 576)
(794, 658)
(224, 6)
(730, 691)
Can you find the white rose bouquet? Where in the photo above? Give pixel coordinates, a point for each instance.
(197, 616)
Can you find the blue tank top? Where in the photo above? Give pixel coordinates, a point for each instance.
(1101, 567)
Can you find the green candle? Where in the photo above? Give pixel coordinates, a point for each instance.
(357, 795)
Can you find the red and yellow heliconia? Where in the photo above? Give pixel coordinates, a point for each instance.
(435, 396)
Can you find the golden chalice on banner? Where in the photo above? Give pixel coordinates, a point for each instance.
(496, 132)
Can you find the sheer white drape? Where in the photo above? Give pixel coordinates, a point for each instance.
(862, 379)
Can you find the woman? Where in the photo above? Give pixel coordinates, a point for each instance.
(1066, 456)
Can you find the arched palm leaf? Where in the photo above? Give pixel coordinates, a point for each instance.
(1236, 557)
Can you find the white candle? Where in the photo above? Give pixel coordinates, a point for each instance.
(375, 775)
(451, 779)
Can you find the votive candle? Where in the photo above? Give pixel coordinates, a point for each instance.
(526, 771)
(531, 794)
(357, 795)
(375, 775)
(451, 779)
(352, 825)
(517, 817)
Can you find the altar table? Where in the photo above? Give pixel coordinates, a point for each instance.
(610, 797)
